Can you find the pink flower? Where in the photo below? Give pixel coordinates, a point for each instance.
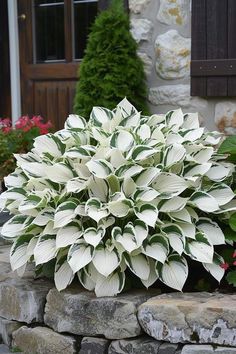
(234, 254)
(225, 266)
(234, 263)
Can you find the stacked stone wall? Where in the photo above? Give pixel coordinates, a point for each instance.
(162, 29)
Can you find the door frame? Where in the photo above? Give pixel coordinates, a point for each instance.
(14, 61)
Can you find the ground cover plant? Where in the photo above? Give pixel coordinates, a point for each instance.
(120, 193)
(111, 68)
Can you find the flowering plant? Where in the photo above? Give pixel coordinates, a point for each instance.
(121, 191)
(18, 139)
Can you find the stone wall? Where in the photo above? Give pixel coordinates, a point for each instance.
(162, 29)
(37, 319)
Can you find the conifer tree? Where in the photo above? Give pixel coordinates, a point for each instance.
(111, 68)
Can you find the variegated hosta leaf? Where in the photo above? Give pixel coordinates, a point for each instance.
(64, 214)
(128, 187)
(204, 201)
(18, 253)
(63, 273)
(111, 285)
(45, 249)
(80, 254)
(100, 116)
(76, 185)
(120, 207)
(75, 122)
(95, 210)
(218, 172)
(139, 265)
(100, 168)
(153, 276)
(176, 237)
(94, 236)
(174, 154)
(15, 180)
(174, 272)
(156, 247)
(211, 231)
(68, 235)
(141, 152)
(128, 170)
(98, 188)
(200, 249)
(15, 226)
(174, 204)
(122, 140)
(145, 194)
(215, 268)
(146, 177)
(59, 173)
(147, 213)
(105, 260)
(169, 184)
(175, 118)
(222, 193)
(49, 144)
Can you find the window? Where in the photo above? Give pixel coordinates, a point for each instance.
(61, 28)
(213, 65)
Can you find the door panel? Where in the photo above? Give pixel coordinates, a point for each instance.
(48, 70)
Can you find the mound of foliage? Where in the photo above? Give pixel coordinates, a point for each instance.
(111, 68)
(122, 192)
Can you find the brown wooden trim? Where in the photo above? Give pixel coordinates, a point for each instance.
(213, 67)
(52, 71)
(68, 30)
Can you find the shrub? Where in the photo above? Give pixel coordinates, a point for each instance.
(18, 139)
(111, 68)
(122, 191)
(228, 147)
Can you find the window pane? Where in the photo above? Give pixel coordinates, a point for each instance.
(49, 38)
(85, 12)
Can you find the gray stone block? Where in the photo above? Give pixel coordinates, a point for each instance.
(206, 349)
(197, 349)
(142, 345)
(79, 312)
(194, 317)
(23, 300)
(90, 345)
(7, 327)
(168, 348)
(42, 340)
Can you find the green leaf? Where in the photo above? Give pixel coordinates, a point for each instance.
(232, 222)
(231, 278)
(228, 146)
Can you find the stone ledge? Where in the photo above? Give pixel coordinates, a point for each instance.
(43, 340)
(7, 327)
(23, 300)
(79, 312)
(191, 317)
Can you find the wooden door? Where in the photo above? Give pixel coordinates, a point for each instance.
(52, 39)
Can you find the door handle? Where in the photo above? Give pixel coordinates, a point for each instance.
(22, 17)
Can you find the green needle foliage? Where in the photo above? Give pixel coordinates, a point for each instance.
(111, 68)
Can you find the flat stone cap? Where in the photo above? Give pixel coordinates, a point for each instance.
(190, 317)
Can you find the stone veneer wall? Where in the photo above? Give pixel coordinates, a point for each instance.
(162, 29)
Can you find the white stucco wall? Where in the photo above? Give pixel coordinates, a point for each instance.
(162, 29)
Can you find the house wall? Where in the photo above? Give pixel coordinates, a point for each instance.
(162, 28)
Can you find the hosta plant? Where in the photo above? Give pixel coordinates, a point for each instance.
(120, 192)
